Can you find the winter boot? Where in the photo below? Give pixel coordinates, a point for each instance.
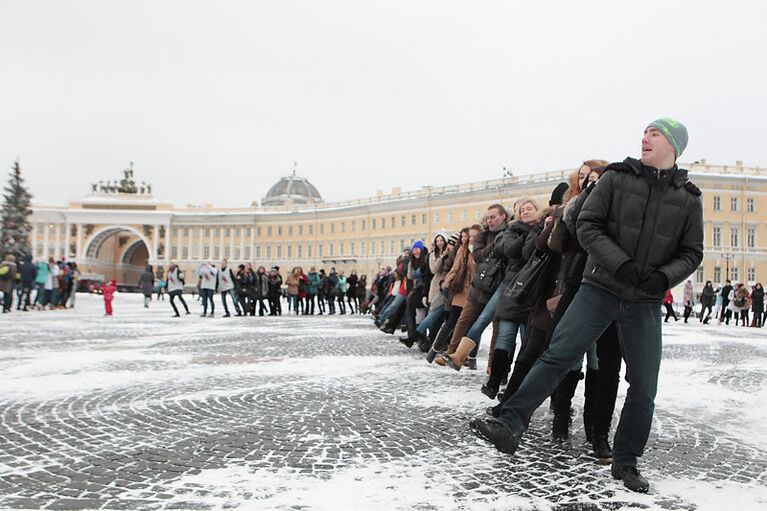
(407, 341)
(560, 427)
(631, 478)
(498, 369)
(440, 344)
(457, 359)
(473, 363)
(424, 344)
(602, 449)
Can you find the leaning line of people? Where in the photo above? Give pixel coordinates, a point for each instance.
(582, 278)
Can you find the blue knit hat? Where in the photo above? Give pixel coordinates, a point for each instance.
(418, 244)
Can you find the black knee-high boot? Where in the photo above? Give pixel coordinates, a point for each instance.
(562, 399)
(499, 369)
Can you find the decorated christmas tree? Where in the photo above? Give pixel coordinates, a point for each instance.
(15, 230)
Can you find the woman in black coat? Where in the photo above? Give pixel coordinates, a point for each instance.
(146, 285)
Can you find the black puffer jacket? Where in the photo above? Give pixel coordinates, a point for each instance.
(515, 246)
(484, 244)
(638, 213)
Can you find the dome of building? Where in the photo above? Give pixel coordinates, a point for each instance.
(292, 189)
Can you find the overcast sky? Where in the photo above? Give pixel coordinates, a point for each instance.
(214, 101)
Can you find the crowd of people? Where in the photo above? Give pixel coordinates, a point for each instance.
(39, 285)
(580, 279)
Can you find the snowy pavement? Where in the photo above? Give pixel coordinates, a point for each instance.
(144, 411)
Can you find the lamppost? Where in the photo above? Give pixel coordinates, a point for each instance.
(727, 257)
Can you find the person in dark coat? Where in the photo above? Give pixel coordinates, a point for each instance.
(146, 284)
(8, 281)
(706, 301)
(642, 227)
(28, 273)
(757, 305)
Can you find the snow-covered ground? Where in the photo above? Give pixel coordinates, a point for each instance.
(145, 411)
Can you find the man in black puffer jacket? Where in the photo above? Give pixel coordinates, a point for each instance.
(642, 227)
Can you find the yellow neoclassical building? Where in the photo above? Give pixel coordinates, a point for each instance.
(118, 228)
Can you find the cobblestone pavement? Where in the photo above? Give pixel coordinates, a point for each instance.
(142, 411)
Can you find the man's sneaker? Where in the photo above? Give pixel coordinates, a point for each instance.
(496, 433)
(631, 478)
(602, 449)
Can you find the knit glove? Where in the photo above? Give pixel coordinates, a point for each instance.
(655, 283)
(628, 273)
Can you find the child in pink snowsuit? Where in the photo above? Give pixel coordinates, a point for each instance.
(108, 290)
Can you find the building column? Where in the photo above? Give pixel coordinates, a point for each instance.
(57, 242)
(221, 232)
(167, 243)
(35, 255)
(242, 244)
(79, 254)
(67, 238)
(46, 241)
(202, 242)
(155, 237)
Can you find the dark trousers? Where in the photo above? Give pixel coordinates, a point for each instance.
(725, 313)
(24, 296)
(703, 315)
(310, 299)
(173, 296)
(341, 304)
(8, 300)
(670, 312)
(230, 293)
(639, 333)
(207, 296)
(687, 312)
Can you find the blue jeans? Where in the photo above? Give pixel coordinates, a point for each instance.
(639, 334)
(430, 320)
(507, 335)
(393, 306)
(485, 318)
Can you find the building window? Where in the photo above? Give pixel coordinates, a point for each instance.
(319, 249)
(363, 225)
(341, 248)
(412, 219)
(477, 214)
(268, 251)
(185, 253)
(464, 215)
(309, 251)
(351, 248)
(717, 203)
(343, 226)
(269, 231)
(311, 229)
(237, 253)
(227, 231)
(258, 231)
(227, 253)
(392, 222)
(423, 219)
(173, 252)
(734, 274)
(186, 231)
(290, 251)
(330, 248)
(215, 231)
(206, 231)
(279, 251)
(216, 252)
(733, 203)
(205, 252)
(174, 231)
(300, 230)
(751, 274)
(402, 221)
(290, 230)
(750, 205)
(699, 274)
(751, 237)
(383, 247)
(436, 218)
(322, 228)
(354, 225)
(449, 217)
(237, 231)
(279, 230)
(299, 251)
(372, 223)
(717, 236)
(332, 228)
(362, 247)
(391, 247)
(734, 237)
(258, 252)
(717, 274)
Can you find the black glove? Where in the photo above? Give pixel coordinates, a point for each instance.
(628, 273)
(655, 283)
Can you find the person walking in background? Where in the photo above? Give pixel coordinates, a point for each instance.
(8, 281)
(108, 292)
(207, 275)
(28, 273)
(726, 313)
(668, 303)
(275, 291)
(687, 300)
(176, 288)
(225, 284)
(146, 285)
(707, 297)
